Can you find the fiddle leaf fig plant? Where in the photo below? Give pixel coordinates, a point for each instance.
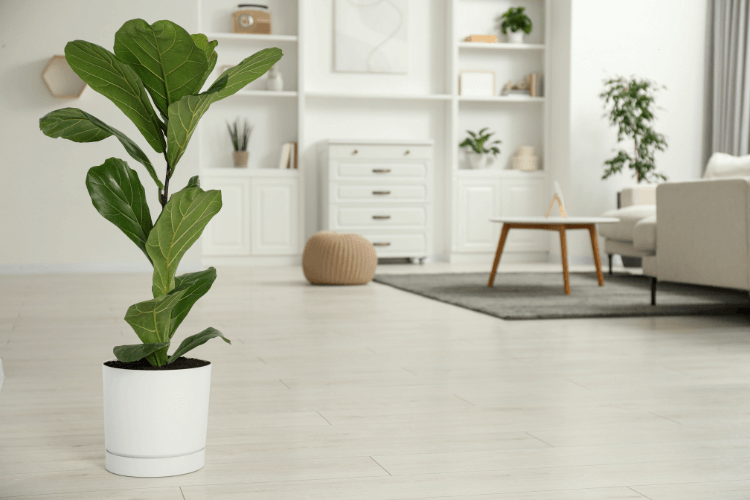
(155, 77)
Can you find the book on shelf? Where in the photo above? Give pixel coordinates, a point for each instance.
(481, 38)
(288, 158)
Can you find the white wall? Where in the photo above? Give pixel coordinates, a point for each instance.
(662, 40)
(46, 216)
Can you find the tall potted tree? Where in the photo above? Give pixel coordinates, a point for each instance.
(155, 405)
(632, 108)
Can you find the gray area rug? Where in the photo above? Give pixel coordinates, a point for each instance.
(541, 295)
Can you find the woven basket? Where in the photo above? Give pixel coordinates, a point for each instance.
(339, 259)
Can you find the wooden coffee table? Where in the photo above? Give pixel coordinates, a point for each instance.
(560, 225)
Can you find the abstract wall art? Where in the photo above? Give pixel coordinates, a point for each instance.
(371, 36)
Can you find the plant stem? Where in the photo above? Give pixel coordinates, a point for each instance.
(164, 198)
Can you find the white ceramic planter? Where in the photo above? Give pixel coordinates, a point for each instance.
(515, 36)
(477, 160)
(155, 422)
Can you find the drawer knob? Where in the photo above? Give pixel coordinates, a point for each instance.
(356, 151)
(381, 170)
(407, 153)
(381, 192)
(381, 217)
(381, 244)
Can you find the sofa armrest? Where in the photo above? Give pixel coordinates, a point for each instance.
(702, 234)
(638, 195)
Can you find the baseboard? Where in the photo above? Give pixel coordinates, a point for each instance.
(99, 267)
(488, 258)
(284, 260)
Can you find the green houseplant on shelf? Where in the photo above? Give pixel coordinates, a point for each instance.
(480, 148)
(631, 104)
(239, 134)
(155, 405)
(517, 22)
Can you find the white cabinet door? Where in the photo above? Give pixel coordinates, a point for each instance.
(523, 198)
(275, 216)
(478, 201)
(228, 233)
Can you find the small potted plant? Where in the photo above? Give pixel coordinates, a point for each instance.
(632, 112)
(480, 148)
(515, 20)
(155, 405)
(240, 136)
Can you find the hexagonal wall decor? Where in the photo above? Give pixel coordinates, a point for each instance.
(61, 80)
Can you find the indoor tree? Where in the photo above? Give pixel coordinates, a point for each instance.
(631, 104)
(155, 77)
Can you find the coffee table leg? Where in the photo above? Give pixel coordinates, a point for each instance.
(500, 245)
(564, 251)
(597, 257)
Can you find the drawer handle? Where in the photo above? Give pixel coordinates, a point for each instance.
(381, 170)
(381, 192)
(381, 244)
(407, 153)
(356, 151)
(381, 217)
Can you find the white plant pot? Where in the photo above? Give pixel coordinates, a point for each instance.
(515, 36)
(477, 160)
(155, 422)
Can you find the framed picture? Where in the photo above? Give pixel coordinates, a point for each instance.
(477, 83)
(371, 37)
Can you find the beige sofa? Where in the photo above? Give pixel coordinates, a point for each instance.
(702, 233)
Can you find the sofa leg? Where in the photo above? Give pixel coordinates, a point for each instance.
(610, 262)
(653, 291)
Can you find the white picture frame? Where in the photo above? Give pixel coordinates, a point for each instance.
(477, 83)
(371, 36)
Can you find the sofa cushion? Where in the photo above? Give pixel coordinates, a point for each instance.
(629, 217)
(722, 166)
(644, 237)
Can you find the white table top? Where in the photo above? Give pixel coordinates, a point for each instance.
(541, 220)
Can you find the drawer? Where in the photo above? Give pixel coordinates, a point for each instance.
(380, 170)
(379, 193)
(379, 217)
(408, 245)
(380, 151)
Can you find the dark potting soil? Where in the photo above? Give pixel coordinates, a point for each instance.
(180, 364)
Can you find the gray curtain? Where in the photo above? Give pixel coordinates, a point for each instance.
(728, 77)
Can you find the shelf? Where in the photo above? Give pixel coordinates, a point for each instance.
(249, 172)
(405, 97)
(266, 93)
(251, 37)
(500, 46)
(530, 100)
(496, 172)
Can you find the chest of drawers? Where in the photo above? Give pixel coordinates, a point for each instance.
(381, 190)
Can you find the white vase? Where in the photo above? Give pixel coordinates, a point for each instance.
(274, 81)
(155, 422)
(479, 160)
(515, 36)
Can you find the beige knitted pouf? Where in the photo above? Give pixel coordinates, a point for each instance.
(339, 259)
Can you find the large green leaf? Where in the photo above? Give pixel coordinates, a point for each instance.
(136, 352)
(195, 286)
(165, 57)
(115, 80)
(119, 197)
(209, 49)
(152, 322)
(185, 114)
(196, 340)
(180, 224)
(78, 126)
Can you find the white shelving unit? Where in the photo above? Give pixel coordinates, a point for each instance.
(269, 212)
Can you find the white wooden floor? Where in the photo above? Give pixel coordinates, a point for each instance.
(373, 393)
